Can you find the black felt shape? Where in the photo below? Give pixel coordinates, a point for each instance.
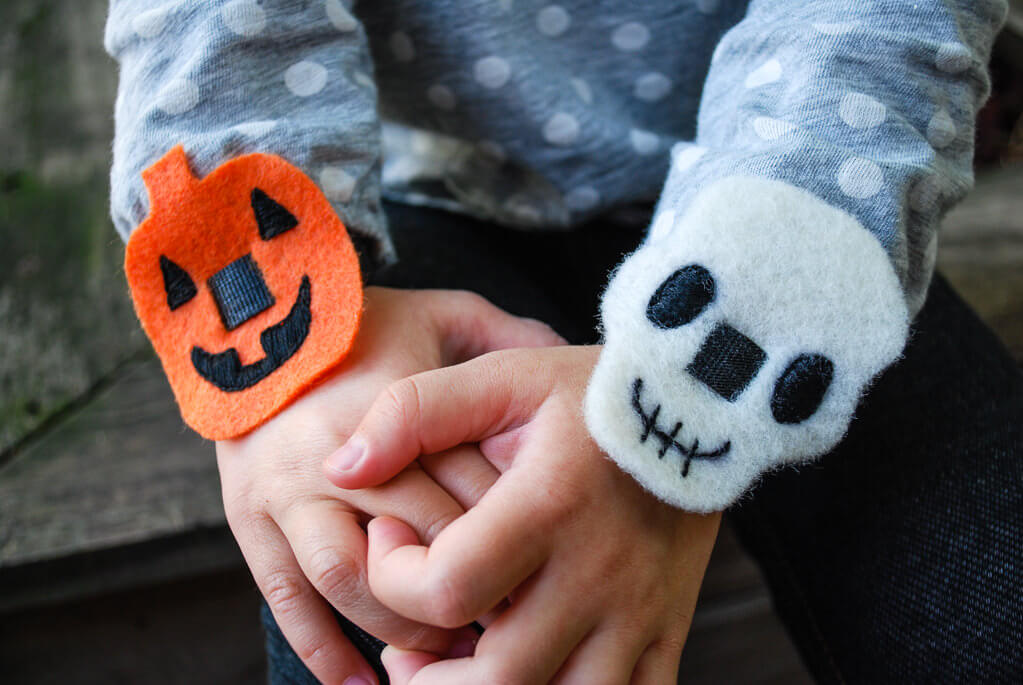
(801, 387)
(272, 218)
(727, 361)
(240, 292)
(681, 297)
(177, 283)
(280, 342)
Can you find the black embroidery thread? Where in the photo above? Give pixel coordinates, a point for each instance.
(240, 292)
(681, 297)
(800, 389)
(280, 342)
(727, 361)
(178, 285)
(668, 440)
(271, 217)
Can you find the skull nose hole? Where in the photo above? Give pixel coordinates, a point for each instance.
(801, 387)
(727, 362)
(681, 297)
(240, 292)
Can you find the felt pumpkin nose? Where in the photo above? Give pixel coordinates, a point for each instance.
(247, 284)
(240, 292)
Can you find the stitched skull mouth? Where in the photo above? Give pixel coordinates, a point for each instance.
(280, 342)
(667, 439)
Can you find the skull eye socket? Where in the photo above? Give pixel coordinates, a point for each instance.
(178, 285)
(801, 388)
(271, 217)
(681, 297)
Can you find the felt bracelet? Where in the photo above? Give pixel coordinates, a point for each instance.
(247, 284)
(740, 340)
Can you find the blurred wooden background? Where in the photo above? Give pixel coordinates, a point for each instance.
(115, 561)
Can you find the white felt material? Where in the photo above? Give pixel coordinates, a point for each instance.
(794, 274)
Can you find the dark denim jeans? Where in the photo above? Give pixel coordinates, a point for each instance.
(897, 558)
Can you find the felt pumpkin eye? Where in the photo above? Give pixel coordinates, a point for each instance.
(801, 387)
(681, 297)
(272, 218)
(179, 286)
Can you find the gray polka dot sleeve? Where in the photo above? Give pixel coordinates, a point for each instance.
(228, 77)
(793, 241)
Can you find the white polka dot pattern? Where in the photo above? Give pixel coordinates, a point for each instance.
(582, 199)
(860, 178)
(244, 17)
(583, 90)
(941, 131)
(553, 20)
(953, 58)
(150, 24)
(402, 47)
(652, 87)
(178, 96)
(492, 72)
(256, 129)
(630, 37)
(337, 184)
(687, 158)
(767, 128)
(861, 111)
(441, 97)
(340, 17)
(644, 142)
(305, 78)
(561, 129)
(769, 72)
(363, 79)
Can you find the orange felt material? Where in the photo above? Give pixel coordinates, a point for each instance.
(203, 226)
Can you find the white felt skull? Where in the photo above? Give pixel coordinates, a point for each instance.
(741, 339)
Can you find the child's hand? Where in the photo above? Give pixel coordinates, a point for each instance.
(602, 577)
(302, 538)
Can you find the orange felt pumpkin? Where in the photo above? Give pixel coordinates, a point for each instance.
(247, 284)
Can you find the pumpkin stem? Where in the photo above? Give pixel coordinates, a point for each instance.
(168, 177)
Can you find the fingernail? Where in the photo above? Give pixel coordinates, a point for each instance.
(357, 680)
(347, 457)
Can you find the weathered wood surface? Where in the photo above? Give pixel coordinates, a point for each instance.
(982, 252)
(123, 469)
(65, 319)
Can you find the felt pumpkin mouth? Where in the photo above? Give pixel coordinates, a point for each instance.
(667, 439)
(280, 342)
